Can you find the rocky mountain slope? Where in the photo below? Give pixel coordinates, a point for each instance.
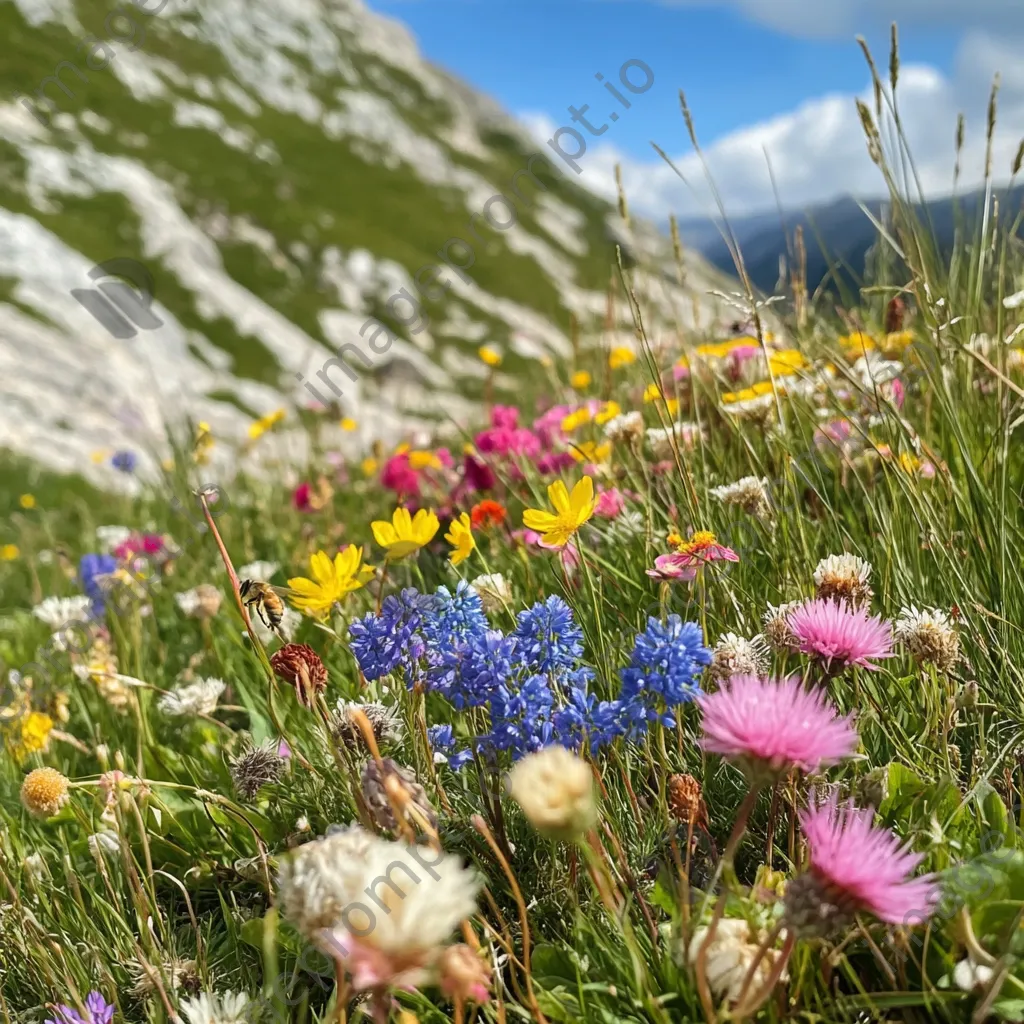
(282, 169)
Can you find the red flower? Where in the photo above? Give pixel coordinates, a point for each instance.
(487, 513)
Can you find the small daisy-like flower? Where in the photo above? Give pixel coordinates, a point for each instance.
(57, 612)
(460, 536)
(333, 578)
(385, 721)
(773, 726)
(489, 356)
(854, 868)
(834, 632)
(556, 792)
(405, 534)
(844, 577)
(749, 493)
(730, 955)
(44, 792)
(256, 767)
(494, 591)
(571, 512)
(198, 698)
(626, 428)
(776, 629)
(734, 655)
(929, 636)
(201, 602)
(219, 1008)
(691, 554)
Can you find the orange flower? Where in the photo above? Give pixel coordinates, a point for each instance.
(487, 513)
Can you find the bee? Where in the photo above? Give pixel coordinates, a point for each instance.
(265, 599)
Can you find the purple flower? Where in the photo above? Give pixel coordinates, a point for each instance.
(97, 1011)
(832, 631)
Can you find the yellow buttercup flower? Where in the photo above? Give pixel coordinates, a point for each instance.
(575, 419)
(203, 443)
(424, 460)
(571, 512)
(9, 552)
(369, 467)
(489, 356)
(588, 451)
(786, 361)
(607, 412)
(258, 428)
(33, 735)
(620, 356)
(348, 424)
(580, 379)
(332, 580)
(405, 533)
(98, 456)
(460, 536)
(652, 393)
(857, 344)
(27, 501)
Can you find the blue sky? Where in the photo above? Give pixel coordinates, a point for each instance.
(760, 75)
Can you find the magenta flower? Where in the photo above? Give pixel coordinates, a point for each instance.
(854, 867)
(698, 549)
(777, 723)
(833, 631)
(400, 477)
(610, 503)
(672, 568)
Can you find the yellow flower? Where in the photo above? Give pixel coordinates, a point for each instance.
(403, 448)
(608, 412)
(580, 379)
(895, 343)
(405, 533)
(44, 792)
(203, 443)
(265, 423)
(424, 460)
(652, 393)
(588, 451)
(98, 456)
(489, 356)
(348, 424)
(620, 356)
(672, 406)
(575, 419)
(369, 467)
(786, 361)
(33, 735)
(460, 536)
(27, 501)
(856, 344)
(332, 580)
(9, 552)
(571, 512)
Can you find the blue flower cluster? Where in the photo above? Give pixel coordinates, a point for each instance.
(530, 682)
(92, 571)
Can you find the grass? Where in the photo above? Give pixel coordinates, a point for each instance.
(171, 886)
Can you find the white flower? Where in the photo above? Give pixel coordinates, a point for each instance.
(494, 591)
(63, 611)
(198, 698)
(750, 493)
(756, 408)
(258, 570)
(845, 578)
(730, 955)
(290, 621)
(352, 886)
(111, 537)
(660, 439)
(627, 426)
(929, 636)
(556, 792)
(734, 655)
(776, 625)
(218, 1008)
(201, 602)
(873, 369)
(969, 976)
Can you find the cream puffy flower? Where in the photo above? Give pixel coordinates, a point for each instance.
(844, 577)
(556, 792)
(749, 493)
(734, 655)
(198, 698)
(63, 611)
(219, 1008)
(258, 570)
(929, 636)
(201, 602)
(494, 591)
(776, 628)
(686, 436)
(729, 956)
(627, 427)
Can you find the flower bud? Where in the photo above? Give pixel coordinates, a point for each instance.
(301, 666)
(556, 792)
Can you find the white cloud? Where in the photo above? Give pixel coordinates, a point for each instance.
(818, 150)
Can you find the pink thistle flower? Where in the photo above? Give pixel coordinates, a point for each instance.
(610, 503)
(833, 631)
(777, 723)
(854, 867)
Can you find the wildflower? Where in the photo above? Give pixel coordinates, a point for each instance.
(9, 552)
(626, 428)
(464, 975)
(575, 419)
(734, 655)
(348, 424)
(548, 637)
(663, 441)
(750, 493)
(198, 698)
(460, 536)
(929, 636)
(258, 570)
(27, 501)
(111, 537)
(729, 957)
(556, 792)
(307, 498)
(487, 513)
(620, 356)
(854, 868)
(388, 787)
(489, 356)
(176, 974)
(833, 631)
(969, 976)
(494, 591)
(845, 578)
(653, 392)
(776, 629)
(571, 512)
(97, 1011)
(301, 666)
(59, 612)
(256, 767)
(369, 466)
(33, 735)
(332, 580)
(323, 886)
(610, 502)
(686, 800)
(202, 443)
(380, 642)
(124, 461)
(591, 452)
(259, 427)
(773, 726)
(385, 722)
(218, 1008)
(607, 412)
(690, 555)
(580, 380)
(94, 572)
(405, 534)
(44, 792)
(201, 602)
